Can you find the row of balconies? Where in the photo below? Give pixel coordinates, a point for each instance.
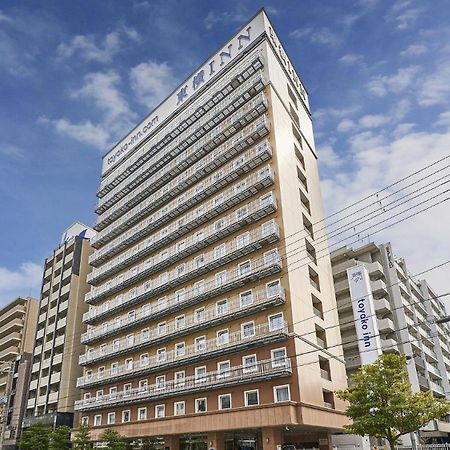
(109, 202)
(261, 371)
(202, 290)
(209, 186)
(201, 238)
(172, 230)
(210, 316)
(207, 211)
(222, 89)
(215, 181)
(237, 341)
(222, 254)
(255, 109)
(57, 359)
(260, 129)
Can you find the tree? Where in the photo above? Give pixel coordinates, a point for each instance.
(113, 440)
(381, 403)
(37, 437)
(82, 440)
(60, 438)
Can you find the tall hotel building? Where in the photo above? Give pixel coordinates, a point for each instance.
(212, 307)
(52, 389)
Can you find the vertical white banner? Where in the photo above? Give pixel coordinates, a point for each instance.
(369, 342)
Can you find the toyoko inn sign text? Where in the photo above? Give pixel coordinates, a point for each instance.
(191, 86)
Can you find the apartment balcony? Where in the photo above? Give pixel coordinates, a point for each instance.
(55, 378)
(430, 354)
(31, 403)
(33, 385)
(249, 213)
(236, 342)
(41, 400)
(389, 346)
(44, 302)
(229, 198)
(340, 269)
(37, 350)
(9, 352)
(234, 279)
(420, 362)
(42, 317)
(12, 326)
(379, 288)
(53, 397)
(325, 374)
(436, 387)
(257, 239)
(341, 287)
(381, 306)
(46, 287)
(434, 370)
(65, 289)
(36, 367)
(261, 129)
(386, 325)
(375, 270)
(43, 381)
(261, 300)
(423, 382)
(13, 338)
(57, 359)
(61, 323)
(222, 89)
(262, 371)
(149, 184)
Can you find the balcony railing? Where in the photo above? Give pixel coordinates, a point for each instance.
(210, 234)
(263, 370)
(213, 315)
(222, 88)
(201, 191)
(204, 263)
(217, 137)
(244, 139)
(216, 115)
(263, 334)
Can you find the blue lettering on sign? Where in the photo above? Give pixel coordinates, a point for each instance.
(224, 54)
(182, 95)
(198, 79)
(242, 37)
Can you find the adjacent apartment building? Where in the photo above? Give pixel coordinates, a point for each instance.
(18, 322)
(406, 310)
(52, 388)
(212, 319)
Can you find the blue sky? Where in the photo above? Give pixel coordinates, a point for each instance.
(76, 75)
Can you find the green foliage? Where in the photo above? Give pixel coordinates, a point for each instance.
(113, 440)
(381, 402)
(37, 437)
(60, 439)
(82, 440)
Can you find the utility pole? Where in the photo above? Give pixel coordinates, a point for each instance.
(8, 368)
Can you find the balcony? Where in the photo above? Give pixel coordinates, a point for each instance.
(386, 325)
(229, 252)
(381, 306)
(195, 294)
(218, 137)
(262, 371)
(389, 346)
(57, 359)
(236, 342)
(152, 181)
(436, 387)
(33, 385)
(223, 88)
(210, 234)
(378, 288)
(261, 300)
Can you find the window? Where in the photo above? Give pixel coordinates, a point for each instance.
(222, 306)
(223, 369)
(101, 372)
(97, 420)
(126, 416)
(142, 413)
(163, 278)
(160, 382)
(143, 384)
(248, 329)
(161, 354)
(162, 303)
(268, 228)
(111, 418)
(160, 411)
(273, 288)
(281, 393)
(225, 401)
(271, 257)
(179, 378)
(144, 360)
(130, 340)
(266, 200)
(246, 298)
(199, 287)
(162, 328)
(218, 175)
(239, 187)
(163, 255)
(180, 270)
(145, 334)
(200, 343)
(249, 363)
(276, 322)
(180, 295)
(113, 392)
(85, 420)
(180, 322)
(181, 246)
(292, 96)
(103, 349)
(99, 394)
(199, 211)
(219, 251)
(199, 314)
(218, 200)
(127, 389)
(179, 409)
(114, 368)
(244, 268)
(251, 398)
(199, 261)
(220, 278)
(242, 240)
(87, 396)
(200, 405)
(115, 345)
(278, 357)
(241, 212)
(199, 236)
(180, 349)
(200, 374)
(223, 337)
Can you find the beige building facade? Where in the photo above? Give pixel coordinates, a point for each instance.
(52, 387)
(212, 319)
(18, 322)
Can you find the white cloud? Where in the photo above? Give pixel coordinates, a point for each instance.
(436, 86)
(374, 120)
(414, 50)
(323, 36)
(12, 151)
(85, 47)
(328, 157)
(345, 125)
(403, 14)
(25, 281)
(213, 18)
(444, 119)
(152, 82)
(86, 132)
(393, 83)
(4, 17)
(351, 59)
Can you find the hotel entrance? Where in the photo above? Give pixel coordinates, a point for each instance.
(243, 440)
(194, 442)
